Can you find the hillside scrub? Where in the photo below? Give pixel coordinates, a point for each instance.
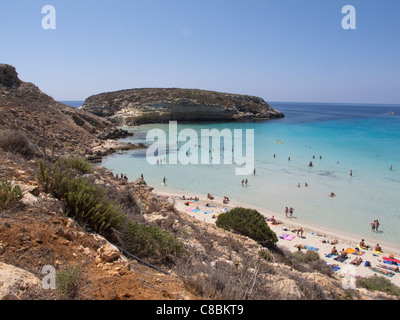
(91, 206)
(9, 194)
(16, 142)
(248, 222)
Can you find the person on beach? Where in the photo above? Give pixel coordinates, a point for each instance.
(165, 180)
(377, 224)
(289, 159)
(357, 261)
(246, 182)
(274, 155)
(334, 251)
(254, 172)
(298, 186)
(343, 254)
(378, 248)
(391, 167)
(306, 185)
(351, 173)
(373, 224)
(242, 182)
(332, 195)
(300, 232)
(286, 211)
(291, 212)
(310, 164)
(363, 245)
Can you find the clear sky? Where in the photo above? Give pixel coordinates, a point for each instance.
(280, 50)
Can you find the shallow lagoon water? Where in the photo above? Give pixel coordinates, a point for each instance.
(361, 138)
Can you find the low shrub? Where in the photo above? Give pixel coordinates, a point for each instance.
(84, 201)
(16, 142)
(249, 223)
(9, 194)
(79, 164)
(151, 242)
(67, 281)
(378, 283)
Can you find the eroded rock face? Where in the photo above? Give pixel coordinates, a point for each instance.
(137, 106)
(9, 77)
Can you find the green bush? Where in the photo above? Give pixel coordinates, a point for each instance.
(9, 194)
(249, 223)
(378, 283)
(148, 241)
(67, 281)
(78, 163)
(84, 201)
(309, 256)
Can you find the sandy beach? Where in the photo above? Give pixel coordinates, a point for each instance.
(316, 237)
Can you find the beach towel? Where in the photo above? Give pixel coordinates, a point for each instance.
(340, 259)
(316, 234)
(311, 248)
(358, 253)
(331, 255)
(391, 260)
(384, 272)
(287, 237)
(196, 210)
(350, 250)
(206, 212)
(335, 267)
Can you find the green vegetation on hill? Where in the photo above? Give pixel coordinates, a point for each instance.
(9, 194)
(249, 223)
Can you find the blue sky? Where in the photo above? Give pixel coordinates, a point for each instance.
(280, 50)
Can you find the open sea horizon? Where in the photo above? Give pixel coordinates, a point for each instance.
(335, 137)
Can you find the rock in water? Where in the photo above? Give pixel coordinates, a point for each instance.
(137, 106)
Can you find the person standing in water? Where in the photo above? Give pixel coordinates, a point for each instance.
(286, 211)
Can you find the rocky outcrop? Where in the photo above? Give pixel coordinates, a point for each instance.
(9, 77)
(138, 106)
(14, 282)
(51, 127)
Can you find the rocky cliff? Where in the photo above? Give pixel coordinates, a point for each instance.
(50, 126)
(138, 106)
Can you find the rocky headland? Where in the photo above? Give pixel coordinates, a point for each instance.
(157, 105)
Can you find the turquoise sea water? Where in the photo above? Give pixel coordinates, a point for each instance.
(361, 138)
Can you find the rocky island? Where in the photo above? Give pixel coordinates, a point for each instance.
(152, 105)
